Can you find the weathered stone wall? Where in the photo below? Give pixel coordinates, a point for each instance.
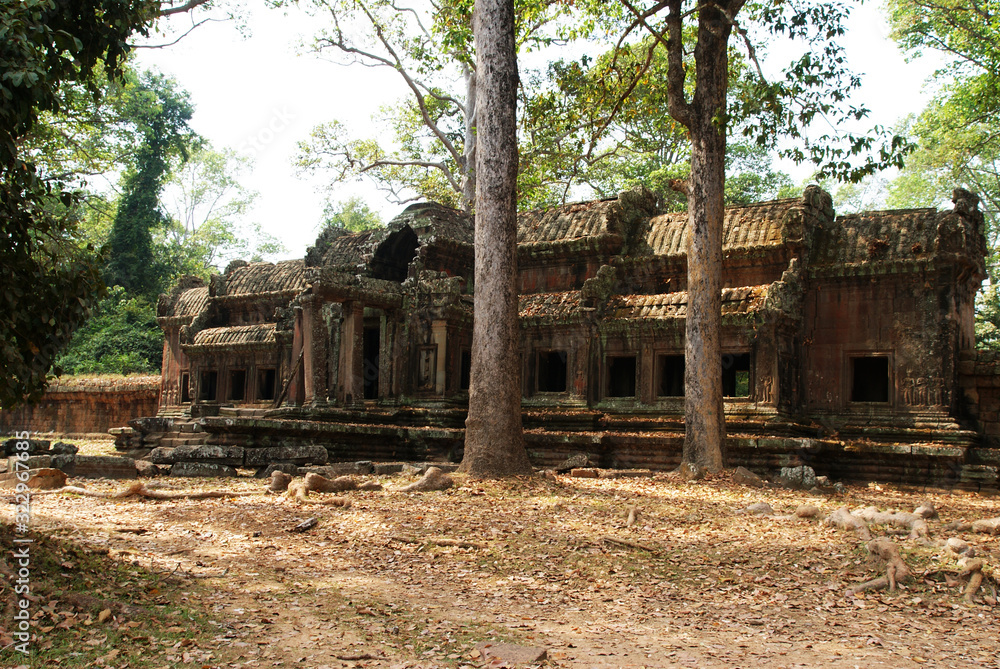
(87, 406)
(979, 378)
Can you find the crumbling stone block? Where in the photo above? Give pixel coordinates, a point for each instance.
(162, 455)
(146, 469)
(63, 448)
(222, 455)
(38, 479)
(797, 478)
(63, 462)
(744, 476)
(301, 455)
(283, 467)
(35, 446)
(102, 467)
(33, 462)
(202, 469)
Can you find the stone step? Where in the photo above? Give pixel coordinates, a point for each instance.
(175, 439)
(242, 412)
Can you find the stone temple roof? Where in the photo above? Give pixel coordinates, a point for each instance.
(347, 251)
(191, 302)
(585, 219)
(236, 335)
(429, 219)
(255, 278)
(752, 226)
(743, 300)
(872, 236)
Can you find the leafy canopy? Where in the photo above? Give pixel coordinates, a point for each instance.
(958, 133)
(49, 282)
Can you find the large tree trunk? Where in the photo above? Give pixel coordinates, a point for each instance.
(704, 414)
(494, 443)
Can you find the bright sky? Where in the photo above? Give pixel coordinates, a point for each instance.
(258, 95)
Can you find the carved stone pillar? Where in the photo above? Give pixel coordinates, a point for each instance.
(314, 343)
(350, 388)
(439, 336)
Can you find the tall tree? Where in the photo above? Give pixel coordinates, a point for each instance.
(494, 441)
(162, 115)
(958, 134)
(589, 128)
(49, 284)
(814, 85)
(206, 207)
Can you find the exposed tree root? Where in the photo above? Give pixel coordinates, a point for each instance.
(279, 481)
(843, 519)
(140, 490)
(433, 479)
(316, 483)
(974, 570)
(615, 541)
(297, 491)
(633, 516)
(884, 550)
(912, 521)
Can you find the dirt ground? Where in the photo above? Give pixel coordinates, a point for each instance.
(544, 566)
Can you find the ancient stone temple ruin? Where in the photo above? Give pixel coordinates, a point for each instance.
(848, 341)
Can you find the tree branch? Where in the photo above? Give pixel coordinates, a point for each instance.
(396, 63)
(163, 46)
(677, 105)
(186, 7)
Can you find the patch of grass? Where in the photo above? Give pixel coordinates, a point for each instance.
(89, 608)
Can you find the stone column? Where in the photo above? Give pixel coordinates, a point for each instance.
(294, 381)
(439, 335)
(314, 341)
(351, 383)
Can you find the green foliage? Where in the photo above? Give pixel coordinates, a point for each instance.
(988, 318)
(431, 148)
(49, 282)
(161, 111)
(122, 337)
(206, 206)
(957, 134)
(602, 126)
(352, 215)
(45, 44)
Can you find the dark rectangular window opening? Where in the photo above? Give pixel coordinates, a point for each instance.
(265, 384)
(671, 376)
(550, 371)
(870, 379)
(621, 376)
(736, 375)
(209, 381)
(185, 388)
(238, 385)
(369, 366)
(465, 373)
